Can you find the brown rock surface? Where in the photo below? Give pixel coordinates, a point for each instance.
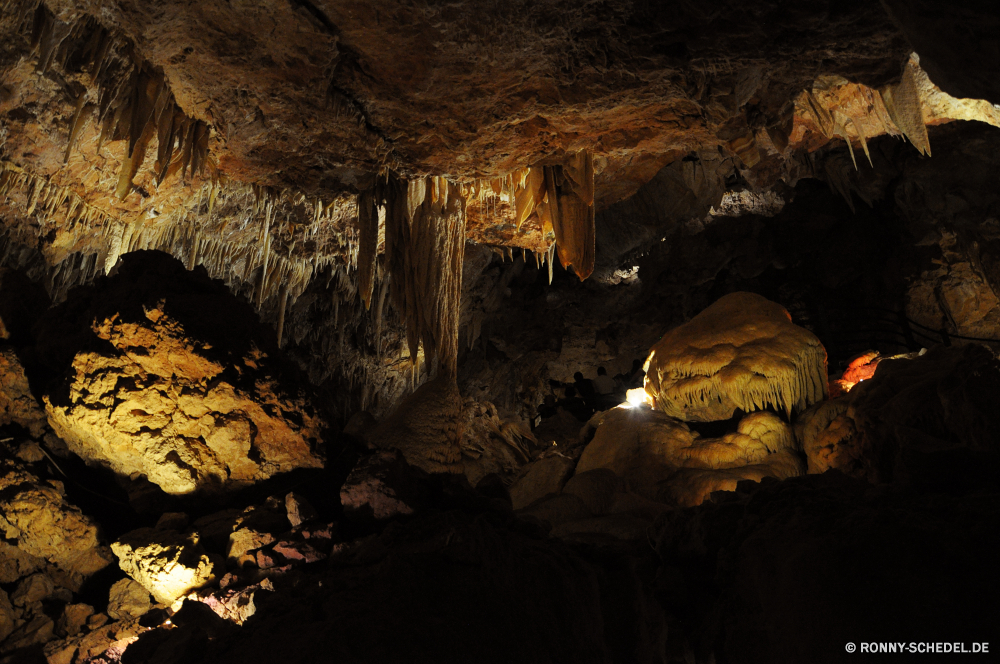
(127, 599)
(17, 404)
(162, 392)
(166, 563)
(828, 436)
(36, 518)
(914, 414)
(544, 476)
(426, 427)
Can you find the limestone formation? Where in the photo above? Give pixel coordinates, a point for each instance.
(743, 352)
(157, 398)
(379, 487)
(490, 445)
(661, 458)
(166, 563)
(37, 520)
(828, 436)
(128, 599)
(17, 404)
(426, 427)
(544, 477)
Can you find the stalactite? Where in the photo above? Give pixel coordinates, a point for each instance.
(424, 248)
(367, 245)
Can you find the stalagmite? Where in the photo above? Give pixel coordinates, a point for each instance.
(741, 352)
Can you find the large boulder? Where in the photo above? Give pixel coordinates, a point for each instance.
(175, 380)
(743, 352)
(489, 445)
(915, 414)
(40, 526)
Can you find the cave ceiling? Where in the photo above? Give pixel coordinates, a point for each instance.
(238, 135)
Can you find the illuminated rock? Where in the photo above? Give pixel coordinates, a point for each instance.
(661, 458)
(128, 599)
(166, 563)
(36, 518)
(743, 352)
(166, 391)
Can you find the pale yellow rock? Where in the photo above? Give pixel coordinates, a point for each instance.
(743, 352)
(166, 563)
(158, 407)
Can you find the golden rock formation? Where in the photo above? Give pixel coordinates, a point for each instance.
(17, 404)
(166, 563)
(37, 520)
(741, 352)
(828, 436)
(156, 405)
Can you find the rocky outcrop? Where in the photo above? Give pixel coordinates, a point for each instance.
(37, 520)
(128, 599)
(17, 404)
(490, 445)
(828, 436)
(380, 487)
(166, 563)
(662, 459)
(916, 413)
(164, 387)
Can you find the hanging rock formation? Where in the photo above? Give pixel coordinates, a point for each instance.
(741, 352)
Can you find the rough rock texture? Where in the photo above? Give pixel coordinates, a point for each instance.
(828, 436)
(38, 521)
(742, 352)
(379, 487)
(128, 599)
(490, 445)
(166, 563)
(660, 458)
(426, 427)
(544, 476)
(459, 586)
(17, 404)
(167, 386)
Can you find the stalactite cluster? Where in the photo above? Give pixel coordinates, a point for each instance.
(130, 99)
